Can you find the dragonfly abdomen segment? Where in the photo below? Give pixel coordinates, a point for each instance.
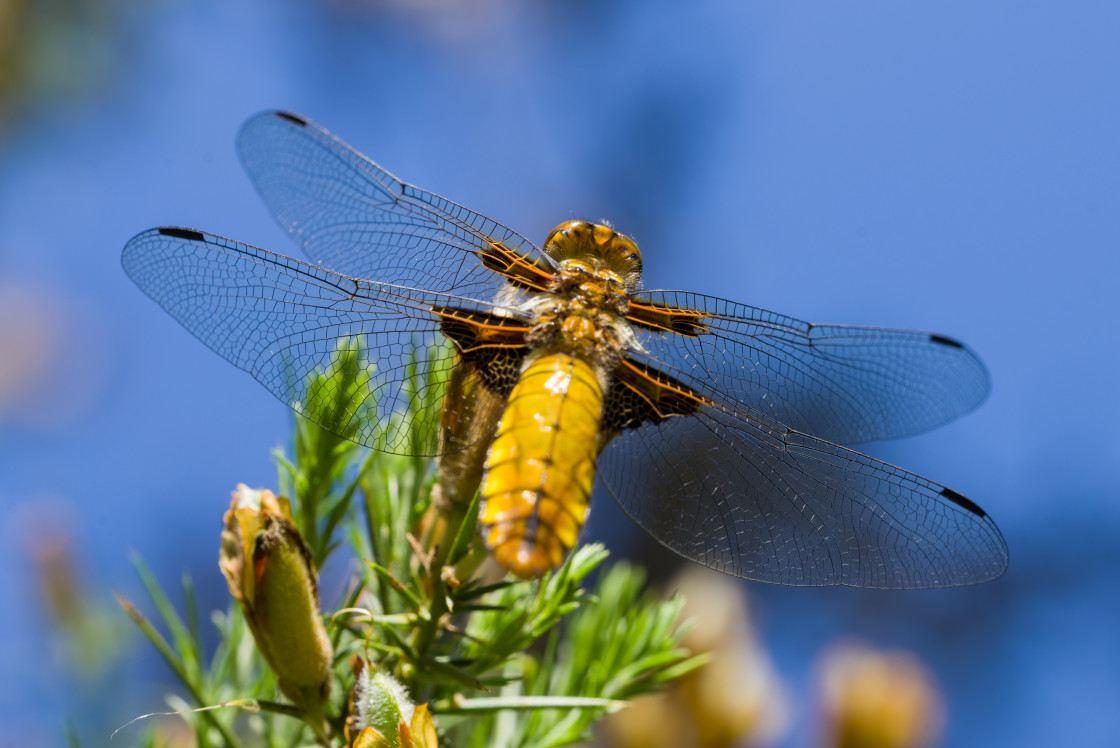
(538, 475)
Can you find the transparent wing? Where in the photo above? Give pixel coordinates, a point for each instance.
(364, 360)
(756, 500)
(843, 384)
(349, 214)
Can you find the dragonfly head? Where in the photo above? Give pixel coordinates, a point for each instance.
(599, 247)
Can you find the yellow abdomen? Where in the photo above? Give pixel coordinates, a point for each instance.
(538, 475)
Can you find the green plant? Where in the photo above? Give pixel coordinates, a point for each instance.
(498, 662)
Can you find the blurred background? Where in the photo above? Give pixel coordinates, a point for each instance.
(947, 166)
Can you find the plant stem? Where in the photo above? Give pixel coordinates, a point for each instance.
(426, 633)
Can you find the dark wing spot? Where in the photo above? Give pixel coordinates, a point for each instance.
(945, 341)
(521, 271)
(188, 234)
(293, 118)
(963, 502)
(491, 345)
(687, 327)
(640, 394)
(680, 321)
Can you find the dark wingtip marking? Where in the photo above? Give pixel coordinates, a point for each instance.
(293, 118)
(188, 234)
(961, 501)
(946, 341)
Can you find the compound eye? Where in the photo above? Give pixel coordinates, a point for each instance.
(628, 254)
(602, 233)
(564, 240)
(574, 229)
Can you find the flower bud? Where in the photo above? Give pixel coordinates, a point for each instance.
(269, 570)
(382, 716)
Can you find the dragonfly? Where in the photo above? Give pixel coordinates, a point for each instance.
(716, 426)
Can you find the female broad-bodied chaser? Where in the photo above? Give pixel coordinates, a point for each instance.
(714, 425)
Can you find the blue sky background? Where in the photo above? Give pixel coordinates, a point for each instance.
(948, 166)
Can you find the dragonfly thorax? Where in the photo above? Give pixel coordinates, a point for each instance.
(584, 310)
(583, 313)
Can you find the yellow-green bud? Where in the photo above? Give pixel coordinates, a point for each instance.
(383, 716)
(269, 570)
(381, 702)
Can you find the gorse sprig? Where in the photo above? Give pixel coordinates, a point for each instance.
(498, 662)
(337, 398)
(617, 644)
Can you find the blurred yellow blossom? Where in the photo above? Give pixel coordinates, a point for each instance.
(42, 326)
(734, 700)
(85, 637)
(878, 699)
(269, 570)
(31, 325)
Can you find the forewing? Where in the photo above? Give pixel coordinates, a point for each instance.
(843, 384)
(349, 214)
(759, 501)
(368, 361)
